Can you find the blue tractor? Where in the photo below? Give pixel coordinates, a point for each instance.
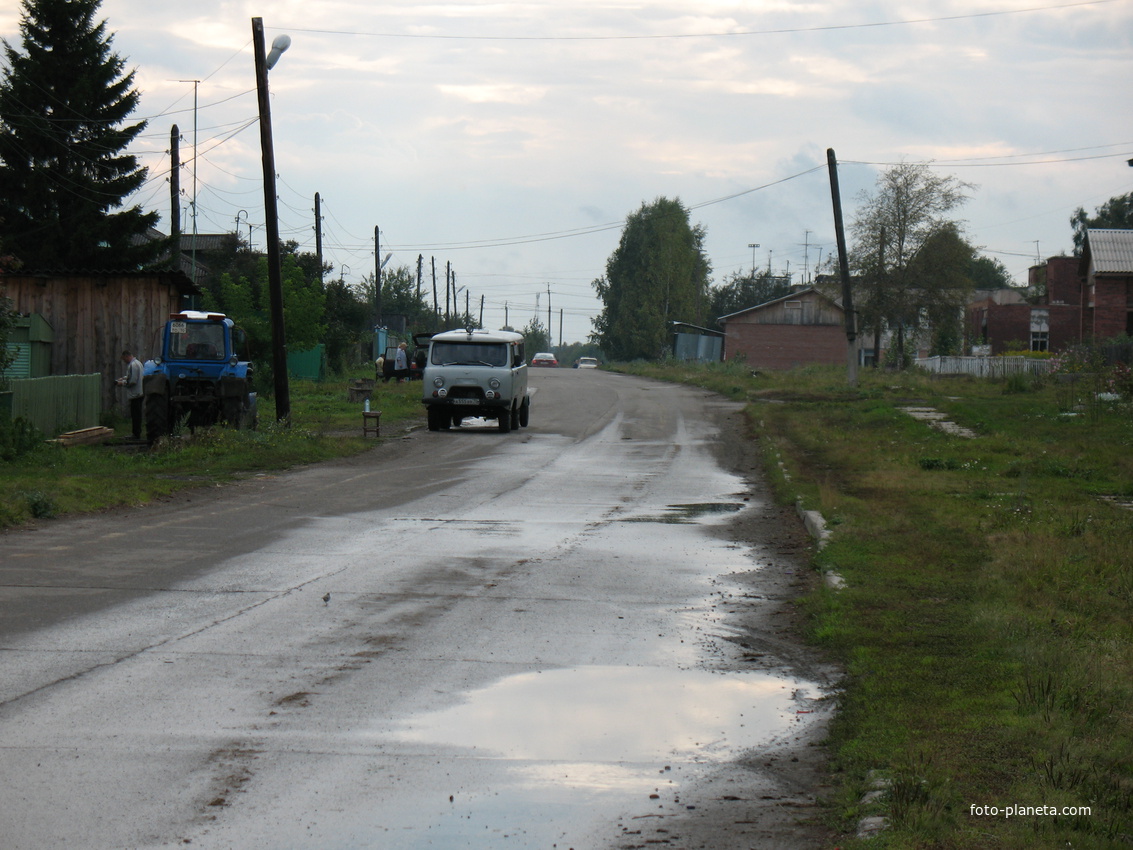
(198, 379)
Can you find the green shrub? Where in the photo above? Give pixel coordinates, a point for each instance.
(17, 437)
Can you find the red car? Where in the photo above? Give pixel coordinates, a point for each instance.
(544, 359)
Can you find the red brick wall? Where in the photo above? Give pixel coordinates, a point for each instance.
(1063, 283)
(1065, 327)
(1008, 323)
(785, 346)
(1012, 323)
(1110, 309)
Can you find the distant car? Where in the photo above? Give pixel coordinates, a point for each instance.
(543, 358)
(586, 363)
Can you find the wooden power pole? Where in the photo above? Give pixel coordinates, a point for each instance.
(844, 268)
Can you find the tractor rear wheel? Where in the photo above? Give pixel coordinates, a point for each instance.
(157, 417)
(234, 412)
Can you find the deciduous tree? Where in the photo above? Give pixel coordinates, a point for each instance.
(741, 291)
(910, 258)
(657, 275)
(1116, 213)
(536, 337)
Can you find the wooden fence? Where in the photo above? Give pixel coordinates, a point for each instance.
(984, 367)
(58, 403)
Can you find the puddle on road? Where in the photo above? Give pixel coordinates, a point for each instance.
(582, 741)
(696, 512)
(615, 714)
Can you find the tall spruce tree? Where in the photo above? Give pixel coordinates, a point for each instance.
(658, 275)
(64, 176)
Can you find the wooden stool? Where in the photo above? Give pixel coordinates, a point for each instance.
(371, 421)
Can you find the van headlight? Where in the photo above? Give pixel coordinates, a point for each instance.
(438, 382)
(494, 383)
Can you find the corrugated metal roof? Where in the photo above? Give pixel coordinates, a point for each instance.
(1111, 250)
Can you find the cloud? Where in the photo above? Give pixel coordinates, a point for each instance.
(459, 122)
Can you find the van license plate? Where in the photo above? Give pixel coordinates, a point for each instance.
(465, 401)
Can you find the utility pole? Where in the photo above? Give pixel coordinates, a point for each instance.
(175, 189)
(549, 325)
(271, 224)
(560, 327)
(420, 260)
(448, 277)
(844, 268)
(436, 304)
(196, 86)
(377, 277)
(481, 322)
(881, 272)
(806, 257)
(319, 232)
(753, 246)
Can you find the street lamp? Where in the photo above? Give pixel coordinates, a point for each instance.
(753, 246)
(245, 214)
(271, 214)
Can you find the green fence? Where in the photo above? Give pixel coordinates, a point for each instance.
(58, 403)
(309, 365)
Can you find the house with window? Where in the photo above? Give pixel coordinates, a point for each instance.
(798, 329)
(1074, 299)
(1107, 284)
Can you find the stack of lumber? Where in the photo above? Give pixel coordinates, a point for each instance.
(84, 436)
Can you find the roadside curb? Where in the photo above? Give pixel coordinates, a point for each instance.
(815, 525)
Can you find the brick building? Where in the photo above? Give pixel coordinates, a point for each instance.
(798, 329)
(1079, 298)
(1107, 284)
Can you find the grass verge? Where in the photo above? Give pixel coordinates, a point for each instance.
(986, 629)
(55, 481)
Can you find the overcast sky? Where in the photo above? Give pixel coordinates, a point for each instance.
(512, 139)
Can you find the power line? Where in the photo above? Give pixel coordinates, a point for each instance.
(732, 34)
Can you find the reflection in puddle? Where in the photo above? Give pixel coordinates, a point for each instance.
(688, 513)
(581, 745)
(614, 714)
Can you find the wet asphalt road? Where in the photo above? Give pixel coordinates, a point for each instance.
(519, 647)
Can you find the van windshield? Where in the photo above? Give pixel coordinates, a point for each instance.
(469, 354)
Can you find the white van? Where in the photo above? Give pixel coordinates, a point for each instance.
(476, 373)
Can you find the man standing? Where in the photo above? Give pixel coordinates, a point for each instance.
(132, 381)
(401, 363)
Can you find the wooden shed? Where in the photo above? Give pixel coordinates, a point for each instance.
(94, 316)
(30, 342)
(798, 329)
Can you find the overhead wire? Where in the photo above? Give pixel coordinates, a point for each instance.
(722, 34)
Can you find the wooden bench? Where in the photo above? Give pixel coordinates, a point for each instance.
(371, 421)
